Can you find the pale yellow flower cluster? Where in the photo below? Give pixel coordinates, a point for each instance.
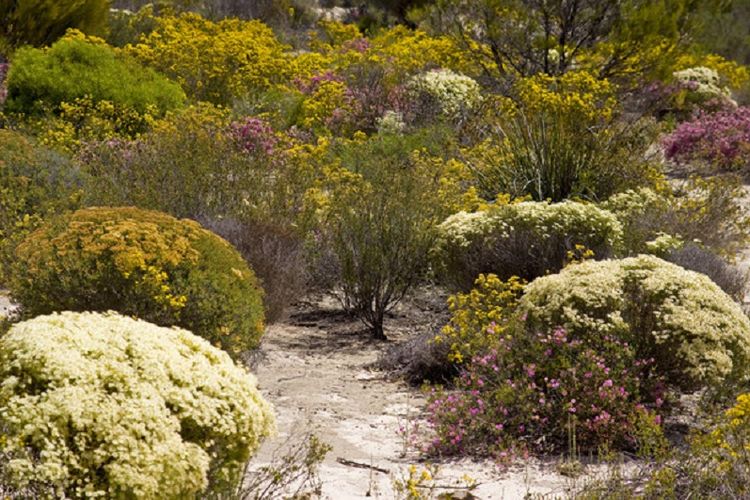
(102, 405)
(705, 81)
(582, 222)
(454, 92)
(697, 334)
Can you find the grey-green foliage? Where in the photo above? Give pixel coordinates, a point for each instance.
(380, 224)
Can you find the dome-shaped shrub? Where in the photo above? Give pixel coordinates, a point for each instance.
(527, 239)
(695, 332)
(104, 405)
(452, 93)
(141, 263)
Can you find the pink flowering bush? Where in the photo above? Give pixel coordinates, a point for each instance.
(254, 135)
(533, 392)
(721, 140)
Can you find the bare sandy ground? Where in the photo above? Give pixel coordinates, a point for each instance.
(317, 373)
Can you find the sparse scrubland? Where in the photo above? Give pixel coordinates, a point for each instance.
(535, 210)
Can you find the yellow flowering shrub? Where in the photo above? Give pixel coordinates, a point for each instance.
(562, 137)
(731, 73)
(141, 263)
(733, 437)
(400, 51)
(102, 405)
(410, 51)
(318, 110)
(479, 317)
(215, 61)
(697, 335)
(578, 95)
(85, 120)
(332, 35)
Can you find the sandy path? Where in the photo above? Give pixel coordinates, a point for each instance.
(316, 374)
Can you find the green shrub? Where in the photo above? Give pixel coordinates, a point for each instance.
(528, 239)
(141, 263)
(34, 183)
(75, 67)
(379, 222)
(562, 137)
(105, 405)
(695, 333)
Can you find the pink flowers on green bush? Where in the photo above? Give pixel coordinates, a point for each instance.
(254, 135)
(533, 391)
(719, 139)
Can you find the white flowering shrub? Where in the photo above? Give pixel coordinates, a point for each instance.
(696, 334)
(704, 82)
(527, 239)
(392, 122)
(452, 92)
(102, 405)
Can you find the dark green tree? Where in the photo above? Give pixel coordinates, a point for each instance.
(525, 37)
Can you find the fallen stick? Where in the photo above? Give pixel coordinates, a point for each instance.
(351, 463)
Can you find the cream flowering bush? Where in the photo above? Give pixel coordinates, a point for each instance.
(452, 92)
(696, 334)
(526, 239)
(392, 122)
(705, 84)
(102, 405)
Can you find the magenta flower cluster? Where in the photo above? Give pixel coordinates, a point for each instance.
(531, 390)
(720, 139)
(254, 135)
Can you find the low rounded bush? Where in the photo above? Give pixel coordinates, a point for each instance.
(453, 94)
(697, 335)
(104, 405)
(538, 391)
(141, 263)
(720, 140)
(527, 239)
(705, 210)
(76, 67)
